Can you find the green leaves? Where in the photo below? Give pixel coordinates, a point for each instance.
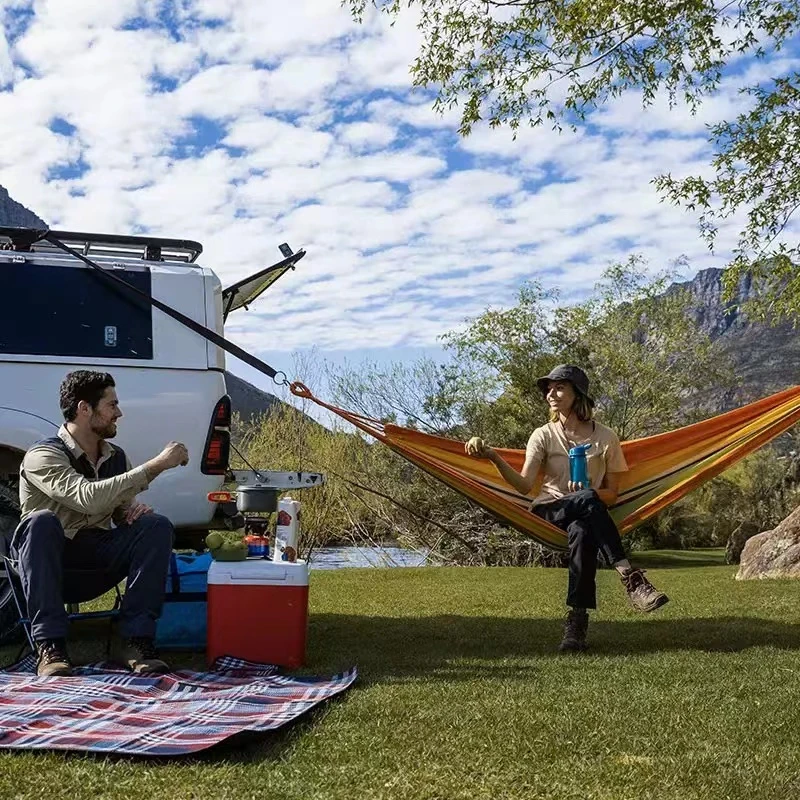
(651, 368)
(510, 63)
(757, 168)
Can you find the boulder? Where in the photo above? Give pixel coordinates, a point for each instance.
(737, 540)
(773, 554)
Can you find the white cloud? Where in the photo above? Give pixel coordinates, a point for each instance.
(6, 64)
(271, 142)
(301, 81)
(367, 135)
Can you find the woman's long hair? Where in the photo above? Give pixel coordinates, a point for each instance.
(581, 406)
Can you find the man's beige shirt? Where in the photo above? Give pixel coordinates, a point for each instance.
(49, 482)
(548, 447)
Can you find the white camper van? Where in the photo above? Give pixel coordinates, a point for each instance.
(58, 315)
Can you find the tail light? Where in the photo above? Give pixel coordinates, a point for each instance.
(216, 454)
(222, 413)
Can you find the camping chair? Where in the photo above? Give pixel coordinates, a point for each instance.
(74, 614)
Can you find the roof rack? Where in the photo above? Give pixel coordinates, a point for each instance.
(147, 248)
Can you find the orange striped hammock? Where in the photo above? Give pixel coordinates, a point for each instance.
(662, 468)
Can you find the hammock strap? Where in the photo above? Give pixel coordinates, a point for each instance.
(369, 425)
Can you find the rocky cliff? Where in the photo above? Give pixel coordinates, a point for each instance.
(766, 357)
(14, 214)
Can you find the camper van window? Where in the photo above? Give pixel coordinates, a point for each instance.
(59, 310)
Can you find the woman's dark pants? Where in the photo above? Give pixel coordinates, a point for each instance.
(590, 529)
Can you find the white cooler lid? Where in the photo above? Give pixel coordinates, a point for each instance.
(260, 572)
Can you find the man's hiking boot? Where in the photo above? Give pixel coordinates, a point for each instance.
(575, 627)
(140, 656)
(53, 660)
(642, 594)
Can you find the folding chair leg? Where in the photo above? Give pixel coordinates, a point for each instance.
(117, 606)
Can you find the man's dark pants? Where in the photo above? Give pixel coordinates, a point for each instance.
(590, 528)
(55, 570)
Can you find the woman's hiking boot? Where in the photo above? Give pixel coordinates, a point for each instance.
(575, 627)
(642, 594)
(52, 658)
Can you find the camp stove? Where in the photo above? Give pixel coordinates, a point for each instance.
(257, 491)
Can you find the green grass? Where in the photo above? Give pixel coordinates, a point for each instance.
(461, 695)
(696, 557)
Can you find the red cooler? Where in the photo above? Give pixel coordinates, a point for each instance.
(258, 610)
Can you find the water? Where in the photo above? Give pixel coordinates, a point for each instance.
(354, 556)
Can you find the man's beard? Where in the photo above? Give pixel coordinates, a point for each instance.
(107, 431)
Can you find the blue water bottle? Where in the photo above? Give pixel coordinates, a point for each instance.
(578, 472)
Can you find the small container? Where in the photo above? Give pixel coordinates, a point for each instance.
(578, 469)
(287, 530)
(257, 546)
(256, 498)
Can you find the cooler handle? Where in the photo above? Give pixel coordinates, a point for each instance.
(251, 579)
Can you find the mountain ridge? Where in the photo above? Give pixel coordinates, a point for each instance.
(15, 215)
(766, 357)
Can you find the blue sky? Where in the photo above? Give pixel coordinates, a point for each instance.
(246, 124)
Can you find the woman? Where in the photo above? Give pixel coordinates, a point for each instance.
(579, 510)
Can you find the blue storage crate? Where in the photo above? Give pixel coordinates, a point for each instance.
(182, 625)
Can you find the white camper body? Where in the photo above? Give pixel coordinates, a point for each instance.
(59, 317)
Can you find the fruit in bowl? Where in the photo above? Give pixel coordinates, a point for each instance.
(222, 550)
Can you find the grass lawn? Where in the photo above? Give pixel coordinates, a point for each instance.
(462, 695)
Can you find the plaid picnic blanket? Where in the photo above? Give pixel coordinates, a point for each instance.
(106, 709)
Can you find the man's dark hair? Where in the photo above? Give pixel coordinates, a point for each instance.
(83, 384)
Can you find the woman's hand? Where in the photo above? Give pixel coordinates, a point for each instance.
(478, 448)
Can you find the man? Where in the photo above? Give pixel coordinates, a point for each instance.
(72, 487)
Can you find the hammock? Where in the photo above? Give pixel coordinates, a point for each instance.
(662, 468)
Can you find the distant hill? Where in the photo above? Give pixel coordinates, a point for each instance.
(766, 357)
(14, 214)
(248, 400)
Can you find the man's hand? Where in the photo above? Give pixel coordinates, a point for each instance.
(173, 455)
(135, 511)
(478, 448)
(572, 486)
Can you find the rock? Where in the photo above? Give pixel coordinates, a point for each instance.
(15, 215)
(736, 541)
(773, 554)
(766, 357)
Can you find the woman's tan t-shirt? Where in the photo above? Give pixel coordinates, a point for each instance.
(549, 447)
